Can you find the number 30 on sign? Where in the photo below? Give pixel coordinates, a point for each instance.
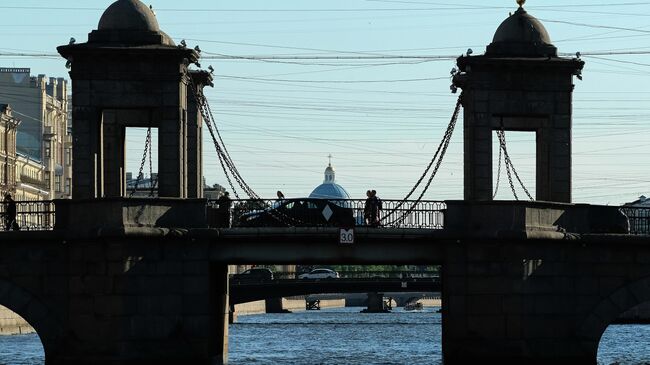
(346, 237)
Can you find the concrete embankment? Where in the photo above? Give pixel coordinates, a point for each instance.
(288, 304)
(398, 299)
(13, 324)
(431, 302)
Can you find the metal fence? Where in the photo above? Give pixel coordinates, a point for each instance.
(639, 219)
(30, 216)
(39, 215)
(325, 213)
(368, 275)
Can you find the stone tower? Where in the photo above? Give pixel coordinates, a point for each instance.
(131, 74)
(520, 84)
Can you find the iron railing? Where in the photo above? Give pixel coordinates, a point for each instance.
(30, 216)
(367, 275)
(40, 215)
(325, 213)
(639, 219)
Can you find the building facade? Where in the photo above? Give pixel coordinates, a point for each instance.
(31, 183)
(8, 126)
(44, 135)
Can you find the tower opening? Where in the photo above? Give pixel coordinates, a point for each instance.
(141, 174)
(522, 154)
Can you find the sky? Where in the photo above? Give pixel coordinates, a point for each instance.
(297, 85)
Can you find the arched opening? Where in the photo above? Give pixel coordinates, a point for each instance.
(627, 340)
(343, 320)
(19, 342)
(618, 328)
(37, 327)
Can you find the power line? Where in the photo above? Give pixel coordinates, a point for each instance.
(331, 81)
(596, 26)
(385, 57)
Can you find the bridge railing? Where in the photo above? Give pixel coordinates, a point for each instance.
(639, 219)
(40, 215)
(378, 275)
(307, 212)
(30, 216)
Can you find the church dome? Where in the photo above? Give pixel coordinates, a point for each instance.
(131, 23)
(521, 35)
(329, 189)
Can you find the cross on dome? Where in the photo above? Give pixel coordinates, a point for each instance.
(330, 175)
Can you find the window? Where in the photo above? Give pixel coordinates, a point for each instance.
(48, 149)
(68, 156)
(57, 182)
(68, 184)
(47, 178)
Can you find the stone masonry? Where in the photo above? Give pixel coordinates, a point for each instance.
(518, 85)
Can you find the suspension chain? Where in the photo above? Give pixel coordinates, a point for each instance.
(147, 148)
(496, 189)
(225, 160)
(199, 103)
(437, 159)
(223, 156)
(501, 135)
(509, 165)
(153, 183)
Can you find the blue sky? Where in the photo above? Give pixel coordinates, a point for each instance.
(381, 119)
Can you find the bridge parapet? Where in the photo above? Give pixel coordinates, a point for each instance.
(475, 219)
(91, 214)
(501, 219)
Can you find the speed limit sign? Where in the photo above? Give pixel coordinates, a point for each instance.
(346, 236)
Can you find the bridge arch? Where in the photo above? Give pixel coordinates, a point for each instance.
(609, 309)
(46, 323)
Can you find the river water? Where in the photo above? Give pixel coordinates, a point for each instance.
(345, 336)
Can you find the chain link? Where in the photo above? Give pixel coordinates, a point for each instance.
(153, 183)
(509, 166)
(496, 189)
(200, 105)
(147, 152)
(225, 160)
(437, 159)
(502, 143)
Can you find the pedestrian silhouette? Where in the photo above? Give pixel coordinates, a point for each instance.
(225, 203)
(375, 213)
(10, 213)
(367, 208)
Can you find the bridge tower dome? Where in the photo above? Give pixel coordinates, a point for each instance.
(131, 74)
(519, 84)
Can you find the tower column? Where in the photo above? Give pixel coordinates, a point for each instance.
(520, 84)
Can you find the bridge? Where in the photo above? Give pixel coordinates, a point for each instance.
(127, 290)
(108, 278)
(412, 282)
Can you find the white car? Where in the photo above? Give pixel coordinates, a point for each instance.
(320, 274)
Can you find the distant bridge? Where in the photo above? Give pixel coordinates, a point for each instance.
(248, 292)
